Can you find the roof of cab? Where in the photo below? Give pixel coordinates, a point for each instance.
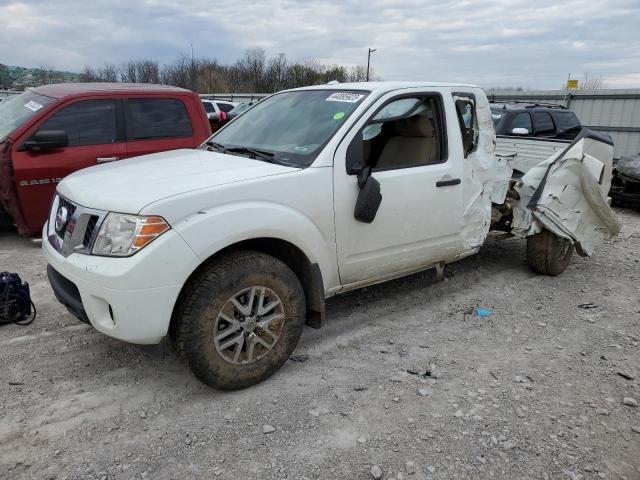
(61, 90)
(383, 86)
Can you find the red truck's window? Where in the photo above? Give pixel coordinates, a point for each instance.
(89, 122)
(158, 118)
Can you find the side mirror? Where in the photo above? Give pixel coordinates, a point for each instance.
(520, 131)
(355, 154)
(369, 197)
(47, 140)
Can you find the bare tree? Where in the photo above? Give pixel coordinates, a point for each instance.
(88, 75)
(591, 81)
(253, 72)
(358, 73)
(276, 74)
(108, 73)
(252, 67)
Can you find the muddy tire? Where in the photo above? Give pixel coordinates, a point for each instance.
(239, 320)
(548, 254)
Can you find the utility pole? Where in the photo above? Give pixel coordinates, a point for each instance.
(369, 61)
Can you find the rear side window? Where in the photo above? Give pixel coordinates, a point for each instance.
(544, 124)
(152, 118)
(567, 123)
(225, 107)
(89, 122)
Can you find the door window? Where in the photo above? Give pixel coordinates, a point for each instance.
(544, 124)
(522, 120)
(154, 118)
(89, 122)
(405, 133)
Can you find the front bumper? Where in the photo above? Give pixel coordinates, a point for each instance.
(130, 298)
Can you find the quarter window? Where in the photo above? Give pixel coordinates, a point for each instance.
(89, 122)
(544, 124)
(568, 124)
(466, 110)
(158, 118)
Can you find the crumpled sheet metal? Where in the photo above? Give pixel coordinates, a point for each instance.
(486, 180)
(572, 197)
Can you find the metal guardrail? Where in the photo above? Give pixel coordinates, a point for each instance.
(7, 93)
(235, 97)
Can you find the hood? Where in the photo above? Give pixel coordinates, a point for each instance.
(128, 185)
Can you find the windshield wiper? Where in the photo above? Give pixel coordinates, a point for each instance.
(262, 154)
(216, 145)
(254, 153)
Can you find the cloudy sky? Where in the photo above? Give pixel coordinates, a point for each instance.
(530, 43)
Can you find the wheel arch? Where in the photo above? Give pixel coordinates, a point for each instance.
(308, 272)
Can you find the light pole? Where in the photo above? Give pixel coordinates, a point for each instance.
(369, 61)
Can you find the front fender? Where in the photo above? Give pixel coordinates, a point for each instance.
(210, 231)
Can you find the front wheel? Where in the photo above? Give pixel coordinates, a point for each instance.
(548, 254)
(240, 319)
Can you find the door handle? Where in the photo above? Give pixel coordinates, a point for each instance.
(446, 183)
(106, 159)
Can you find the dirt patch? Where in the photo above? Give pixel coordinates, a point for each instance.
(535, 390)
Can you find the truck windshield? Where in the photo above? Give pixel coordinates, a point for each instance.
(290, 127)
(16, 110)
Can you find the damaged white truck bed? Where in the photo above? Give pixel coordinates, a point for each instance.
(231, 247)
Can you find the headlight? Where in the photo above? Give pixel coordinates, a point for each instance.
(123, 235)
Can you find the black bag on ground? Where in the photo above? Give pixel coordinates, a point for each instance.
(15, 300)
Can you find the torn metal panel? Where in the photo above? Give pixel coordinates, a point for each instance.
(486, 178)
(567, 194)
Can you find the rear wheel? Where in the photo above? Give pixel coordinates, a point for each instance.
(240, 319)
(548, 254)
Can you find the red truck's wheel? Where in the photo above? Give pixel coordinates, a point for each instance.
(240, 320)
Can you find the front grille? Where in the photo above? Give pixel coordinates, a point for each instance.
(78, 232)
(88, 233)
(71, 208)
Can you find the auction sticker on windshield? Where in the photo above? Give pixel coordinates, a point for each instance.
(345, 97)
(35, 106)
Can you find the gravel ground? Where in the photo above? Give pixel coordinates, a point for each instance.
(403, 381)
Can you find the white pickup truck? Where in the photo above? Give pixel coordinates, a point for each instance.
(230, 248)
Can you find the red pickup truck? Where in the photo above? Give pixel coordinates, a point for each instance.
(51, 131)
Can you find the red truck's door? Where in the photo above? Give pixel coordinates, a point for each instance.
(158, 124)
(95, 136)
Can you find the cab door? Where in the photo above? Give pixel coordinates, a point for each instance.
(95, 135)
(418, 222)
(157, 125)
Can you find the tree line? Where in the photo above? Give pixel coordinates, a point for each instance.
(252, 73)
